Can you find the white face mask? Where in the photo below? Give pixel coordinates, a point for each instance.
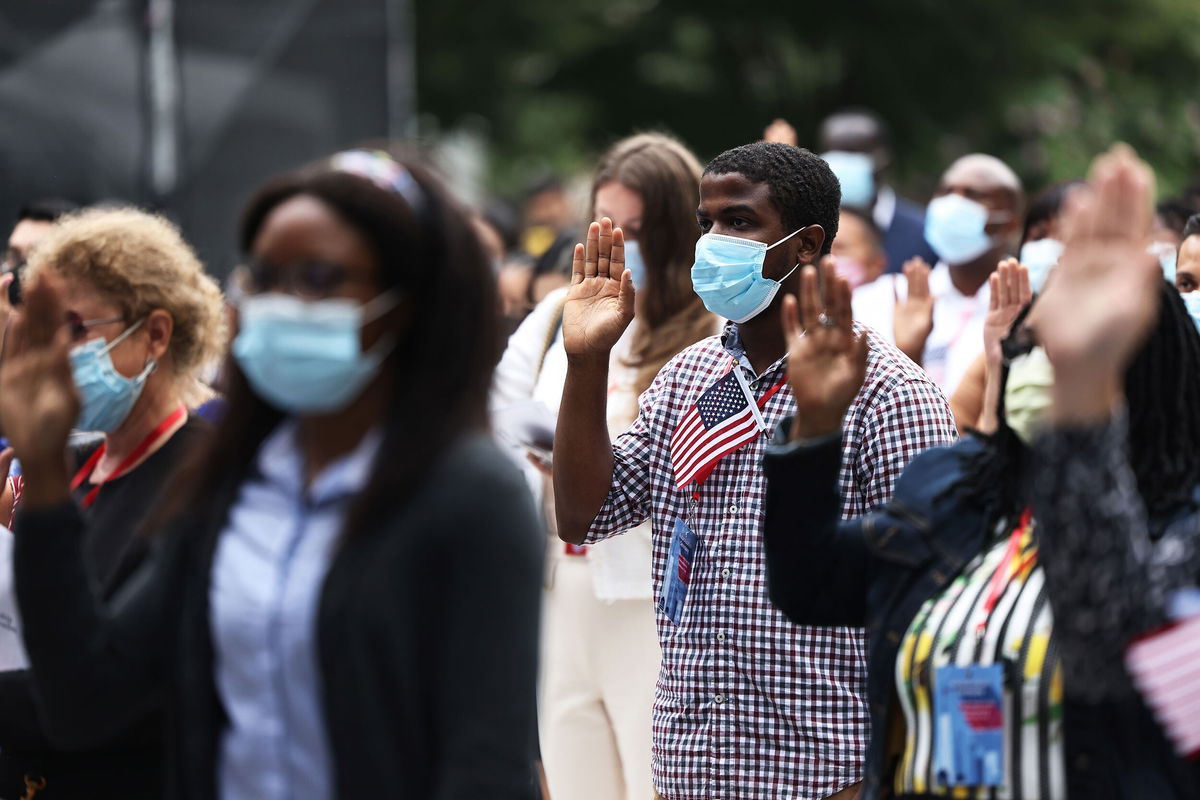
(1040, 256)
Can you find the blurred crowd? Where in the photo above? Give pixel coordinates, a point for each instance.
(740, 480)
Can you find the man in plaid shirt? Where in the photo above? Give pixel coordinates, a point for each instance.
(748, 706)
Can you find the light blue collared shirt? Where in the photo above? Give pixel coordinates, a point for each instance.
(268, 571)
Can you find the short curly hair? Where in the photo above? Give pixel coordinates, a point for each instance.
(803, 188)
(139, 262)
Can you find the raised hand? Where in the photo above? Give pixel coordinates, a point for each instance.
(780, 130)
(600, 301)
(1104, 297)
(913, 319)
(1010, 292)
(827, 360)
(38, 401)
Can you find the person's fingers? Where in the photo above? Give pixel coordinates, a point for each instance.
(789, 313)
(577, 265)
(6, 460)
(626, 293)
(14, 337)
(1129, 205)
(1144, 221)
(1024, 285)
(43, 313)
(616, 259)
(605, 241)
(993, 292)
(918, 281)
(1115, 205)
(837, 297)
(859, 351)
(843, 311)
(810, 300)
(1076, 222)
(6, 281)
(1009, 285)
(592, 251)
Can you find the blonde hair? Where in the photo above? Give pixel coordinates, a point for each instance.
(139, 262)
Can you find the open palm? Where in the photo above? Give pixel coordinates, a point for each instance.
(1010, 291)
(827, 359)
(38, 401)
(599, 302)
(1104, 296)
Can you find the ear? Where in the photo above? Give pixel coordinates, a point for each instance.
(159, 326)
(806, 245)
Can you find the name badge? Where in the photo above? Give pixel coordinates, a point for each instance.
(968, 709)
(673, 594)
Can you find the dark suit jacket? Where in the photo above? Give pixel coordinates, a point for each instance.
(906, 237)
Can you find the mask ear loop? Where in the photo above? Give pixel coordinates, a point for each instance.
(124, 335)
(374, 309)
(781, 241)
(790, 235)
(151, 365)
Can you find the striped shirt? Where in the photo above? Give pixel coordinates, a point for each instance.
(749, 705)
(955, 628)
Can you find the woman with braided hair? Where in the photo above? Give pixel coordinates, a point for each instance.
(991, 674)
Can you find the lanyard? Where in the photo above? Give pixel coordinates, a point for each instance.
(156, 436)
(1003, 576)
(761, 403)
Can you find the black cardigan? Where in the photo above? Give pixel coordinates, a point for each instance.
(427, 638)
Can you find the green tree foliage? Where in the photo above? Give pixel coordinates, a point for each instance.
(1045, 85)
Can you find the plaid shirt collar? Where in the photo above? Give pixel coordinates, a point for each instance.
(731, 340)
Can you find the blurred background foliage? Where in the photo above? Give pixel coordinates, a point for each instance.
(547, 84)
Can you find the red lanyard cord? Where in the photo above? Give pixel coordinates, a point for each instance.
(1003, 576)
(156, 435)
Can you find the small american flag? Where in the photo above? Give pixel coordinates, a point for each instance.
(721, 420)
(1166, 668)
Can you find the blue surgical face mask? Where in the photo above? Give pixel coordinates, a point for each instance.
(856, 173)
(1191, 300)
(305, 356)
(1040, 256)
(728, 275)
(106, 396)
(635, 264)
(954, 228)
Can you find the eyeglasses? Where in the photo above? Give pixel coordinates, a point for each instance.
(313, 280)
(79, 326)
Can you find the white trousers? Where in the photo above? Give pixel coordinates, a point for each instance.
(600, 664)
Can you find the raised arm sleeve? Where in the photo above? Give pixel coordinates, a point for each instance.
(911, 418)
(94, 669)
(816, 564)
(628, 502)
(1107, 580)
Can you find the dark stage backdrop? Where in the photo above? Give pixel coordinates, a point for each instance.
(185, 106)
